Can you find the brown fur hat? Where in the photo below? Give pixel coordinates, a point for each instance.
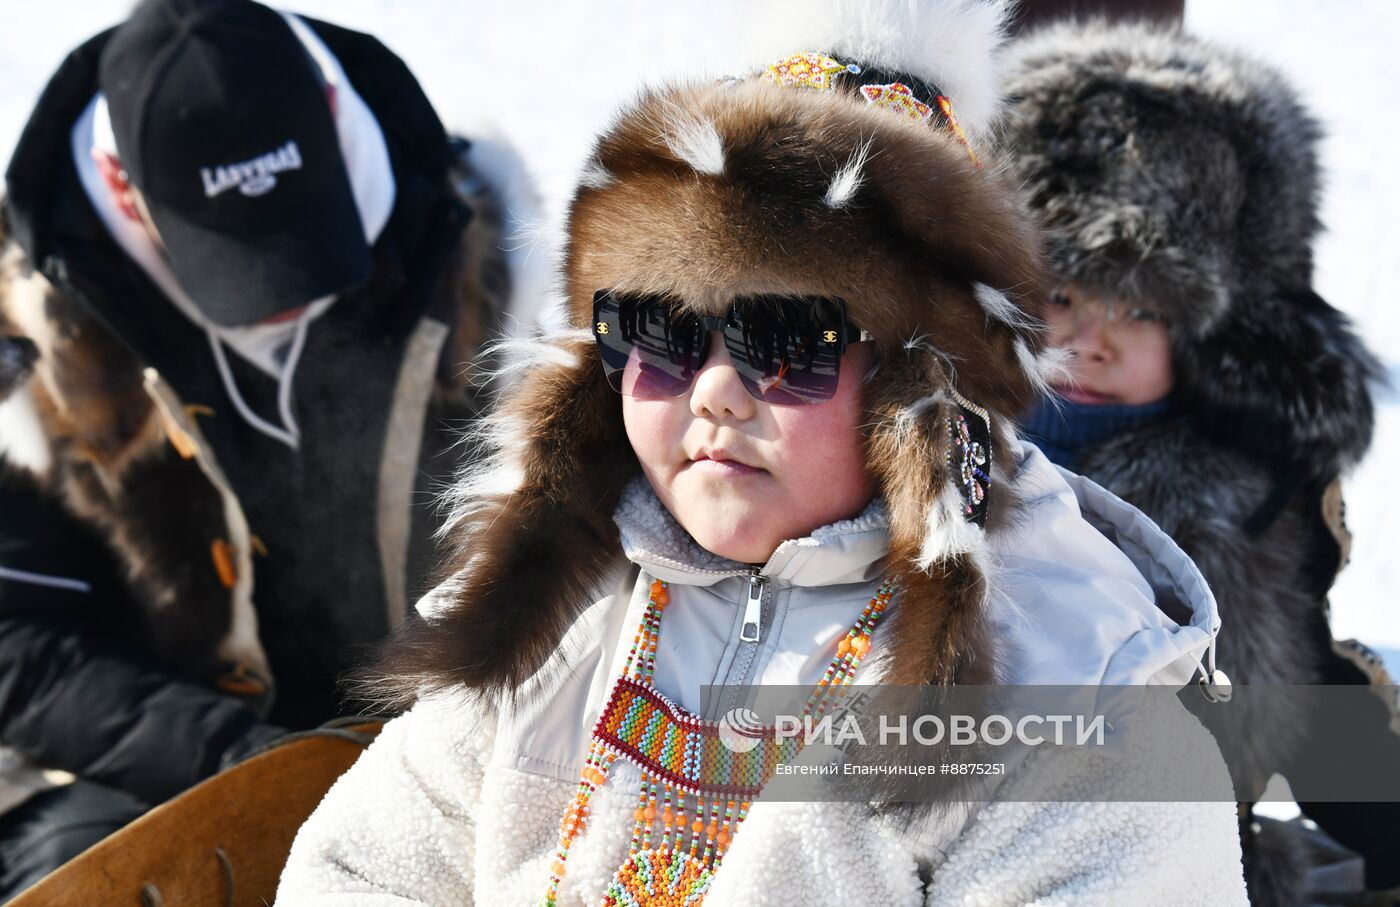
(712, 190)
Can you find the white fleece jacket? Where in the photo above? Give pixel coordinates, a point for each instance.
(458, 802)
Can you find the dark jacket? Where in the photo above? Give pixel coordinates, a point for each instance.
(222, 564)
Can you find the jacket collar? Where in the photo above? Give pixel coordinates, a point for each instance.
(847, 551)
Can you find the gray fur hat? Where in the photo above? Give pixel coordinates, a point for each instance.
(1167, 169)
(1174, 172)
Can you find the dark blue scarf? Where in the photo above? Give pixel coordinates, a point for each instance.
(1065, 430)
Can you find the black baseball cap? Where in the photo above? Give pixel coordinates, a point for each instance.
(223, 124)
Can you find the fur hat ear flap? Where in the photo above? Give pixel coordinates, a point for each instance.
(529, 517)
(934, 459)
(1308, 413)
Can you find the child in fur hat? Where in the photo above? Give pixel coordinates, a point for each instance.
(1210, 385)
(777, 450)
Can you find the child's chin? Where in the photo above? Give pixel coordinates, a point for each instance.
(740, 554)
(736, 540)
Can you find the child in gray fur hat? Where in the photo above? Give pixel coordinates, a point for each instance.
(1211, 386)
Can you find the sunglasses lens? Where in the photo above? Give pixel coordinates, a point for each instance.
(787, 350)
(649, 350)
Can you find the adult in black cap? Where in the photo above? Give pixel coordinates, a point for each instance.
(243, 269)
(223, 124)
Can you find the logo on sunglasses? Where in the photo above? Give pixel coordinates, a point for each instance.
(829, 336)
(602, 327)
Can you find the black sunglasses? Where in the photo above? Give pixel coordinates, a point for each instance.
(786, 349)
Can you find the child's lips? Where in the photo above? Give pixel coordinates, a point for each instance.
(1078, 394)
(723, 465)
(732, 468)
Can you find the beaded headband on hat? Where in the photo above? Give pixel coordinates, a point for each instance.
(819, 71)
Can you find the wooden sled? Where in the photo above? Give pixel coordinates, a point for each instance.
(222, 843)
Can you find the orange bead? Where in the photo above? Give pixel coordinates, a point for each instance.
(662, 598)
(722, 839)
(698, 827)
(711, 829)
(844, 646)
(650, 813)
(860, 645)
(668, 817)
(558, 868)
(639, 814)
(222, 554)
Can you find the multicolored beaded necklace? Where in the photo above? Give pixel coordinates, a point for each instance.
(683, 758)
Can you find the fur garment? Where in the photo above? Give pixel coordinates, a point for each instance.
(1175, 173)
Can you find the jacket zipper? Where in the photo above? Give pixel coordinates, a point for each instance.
(750, 633)
(753, 609)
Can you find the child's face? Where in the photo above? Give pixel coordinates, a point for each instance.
(1122, 350)
(741, 475)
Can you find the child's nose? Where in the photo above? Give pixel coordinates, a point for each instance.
(718, 391)
(1089, 337)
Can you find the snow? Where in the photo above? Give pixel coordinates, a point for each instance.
(547, 76)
